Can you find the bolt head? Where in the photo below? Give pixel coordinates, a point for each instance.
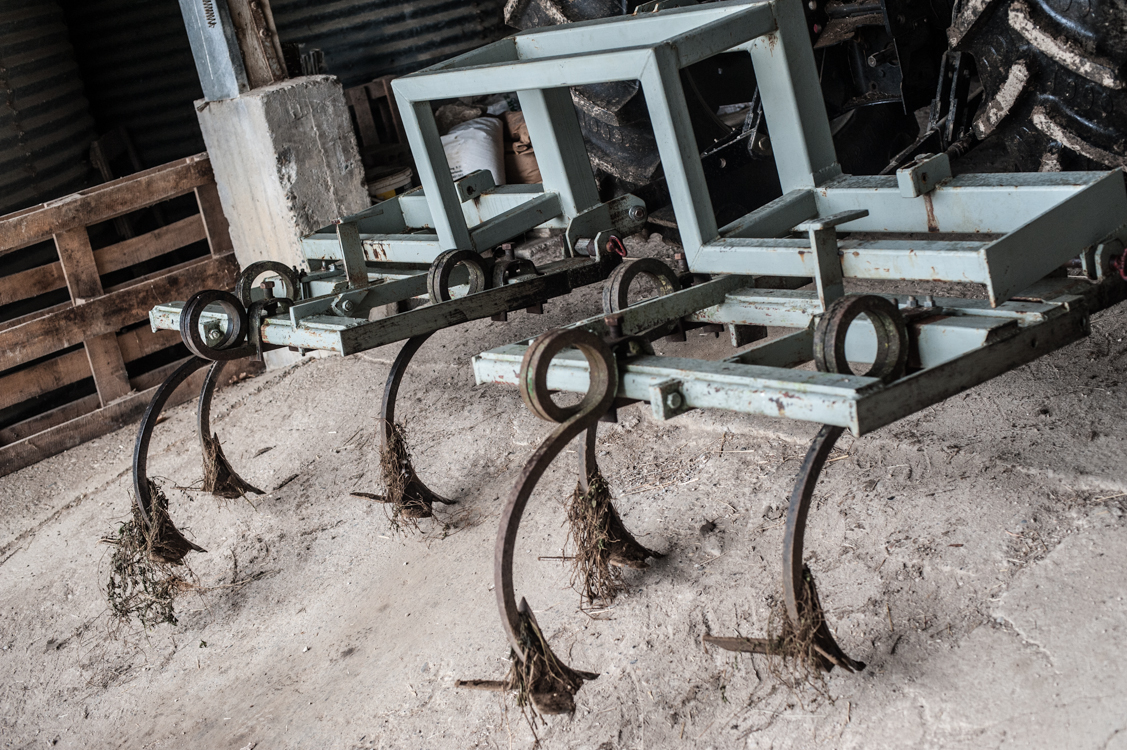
(347, 305)
(637, 213)
(673, 400)
(214, 334)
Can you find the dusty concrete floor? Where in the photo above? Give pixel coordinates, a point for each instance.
(973, 555)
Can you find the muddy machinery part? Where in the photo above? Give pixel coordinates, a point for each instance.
(913, 226)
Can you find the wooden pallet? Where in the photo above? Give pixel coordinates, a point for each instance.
(37, 350)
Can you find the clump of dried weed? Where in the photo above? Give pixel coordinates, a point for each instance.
(601, 543)
(218, 477)
(143, 581)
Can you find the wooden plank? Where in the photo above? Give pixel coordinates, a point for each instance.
(77, 259)
(72, 367)
(366, 124)
(43, 378)
(104, 202)
(49, 333)
(37, 314)
(155, 377)
(392, 107)
(48, 278)
(108, 367)
(260, 57)
(148, 246)
(49, 419)
(79, 269)
(141, 342)
(215, 221)
(31, 283)
(61, 437)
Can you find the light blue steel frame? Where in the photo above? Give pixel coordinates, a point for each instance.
(1031, 224)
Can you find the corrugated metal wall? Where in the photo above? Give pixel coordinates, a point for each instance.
(139, 73)
(365, 39)
(138, 69)
(45, 125)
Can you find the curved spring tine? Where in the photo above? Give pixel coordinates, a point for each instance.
(600, 396)
(142, 495)
(588, 464)
(795, 576)
(227, 482)
(415, 491)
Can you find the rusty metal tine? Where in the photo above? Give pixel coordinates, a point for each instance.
(574, 420)
(795, 533)
(794, 572)
(235, 484)
(203, 408)
(141, 493)
(588, 466)
(415, 488)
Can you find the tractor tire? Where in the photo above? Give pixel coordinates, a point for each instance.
(1054, 77)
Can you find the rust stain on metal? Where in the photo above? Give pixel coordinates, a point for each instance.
(932, 224)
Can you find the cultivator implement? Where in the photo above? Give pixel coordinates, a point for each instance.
(1012, 235)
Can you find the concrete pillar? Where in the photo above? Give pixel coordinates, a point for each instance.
(286, 164)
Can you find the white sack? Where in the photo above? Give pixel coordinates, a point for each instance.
(473, 145)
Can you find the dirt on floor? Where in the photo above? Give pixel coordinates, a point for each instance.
(973, 555)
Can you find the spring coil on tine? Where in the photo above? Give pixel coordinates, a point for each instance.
(573, 420)
(438, 277)
(228, 345)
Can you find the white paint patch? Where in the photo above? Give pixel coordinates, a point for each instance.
(1072, 141)
(1003, 101)
(1050, 161)
(968, 16)
(1065, 53)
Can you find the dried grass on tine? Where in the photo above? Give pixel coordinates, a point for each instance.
(142, 581)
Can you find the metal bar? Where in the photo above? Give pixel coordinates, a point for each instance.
(762, 307)
(561, 154)
(749, 389)
(580, 69)
(684, 175)
(1051, 239)
(649, 30)
(501, 51)
(516, 221)
(657, 311)
(789, 350)
(352, 253)
(970, 203)
(435, 317)
(935, 384)
(924, 260)
(792, 102)
(775, 219)
(434, 174)
(215, 47)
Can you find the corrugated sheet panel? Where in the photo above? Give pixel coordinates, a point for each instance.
(45, 125)
(365, 39)
(139, 73)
